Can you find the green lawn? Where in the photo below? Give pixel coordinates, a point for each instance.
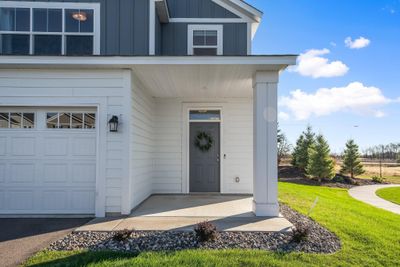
(370, 237)
(390, 194)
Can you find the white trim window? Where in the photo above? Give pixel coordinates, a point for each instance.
(205, 40)
(50, 29)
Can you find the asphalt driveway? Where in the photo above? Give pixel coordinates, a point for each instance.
(21, 238)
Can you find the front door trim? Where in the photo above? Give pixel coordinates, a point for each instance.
(186, 108)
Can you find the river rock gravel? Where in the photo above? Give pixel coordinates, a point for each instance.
(319, 240)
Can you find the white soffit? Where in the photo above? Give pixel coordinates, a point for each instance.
(196, 81)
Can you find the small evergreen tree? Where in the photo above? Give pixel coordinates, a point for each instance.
(320, 165)
(303, 144)
(296, 151)
(351, 160)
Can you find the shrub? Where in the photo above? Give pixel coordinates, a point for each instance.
(122, 235)
(339, 179)
(206, 231)
(377, 179)
(300, 233)
(342, 179)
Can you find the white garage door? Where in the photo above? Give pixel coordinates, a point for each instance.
(47, 161)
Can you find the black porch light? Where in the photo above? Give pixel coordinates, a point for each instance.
(113, 123)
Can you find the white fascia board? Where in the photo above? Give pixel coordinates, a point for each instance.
(254, 28)
(241, 9)
(248, 8)
(127, 62)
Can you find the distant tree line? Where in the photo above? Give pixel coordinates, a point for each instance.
(383, 152)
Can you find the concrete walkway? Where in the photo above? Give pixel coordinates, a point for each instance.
(183, 212)
(367, 194)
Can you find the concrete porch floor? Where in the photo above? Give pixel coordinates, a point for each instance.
(183, 212)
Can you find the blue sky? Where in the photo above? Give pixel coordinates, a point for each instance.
(365, 72)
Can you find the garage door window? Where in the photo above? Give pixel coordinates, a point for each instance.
(67, 120)
(17, 120)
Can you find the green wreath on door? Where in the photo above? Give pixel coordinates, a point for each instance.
(203, 141)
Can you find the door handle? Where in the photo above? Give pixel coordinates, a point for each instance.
(217, 157)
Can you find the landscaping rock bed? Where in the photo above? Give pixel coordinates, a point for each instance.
(319, 240)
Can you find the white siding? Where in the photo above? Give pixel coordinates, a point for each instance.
(238, 146)
(142, 143)
(168, 154)
(105, 88)
(237, 140)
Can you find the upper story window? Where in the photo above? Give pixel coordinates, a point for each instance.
(205, 40)
(38, 28)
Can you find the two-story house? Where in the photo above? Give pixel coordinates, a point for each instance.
(106, 102)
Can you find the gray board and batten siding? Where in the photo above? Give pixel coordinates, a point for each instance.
(174, 39)
(197, 9)
(125, 27)
(174, 36)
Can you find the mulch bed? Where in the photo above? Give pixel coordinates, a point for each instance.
(319, 240)
(291, 174)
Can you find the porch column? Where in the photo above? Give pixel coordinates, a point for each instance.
(265, 162)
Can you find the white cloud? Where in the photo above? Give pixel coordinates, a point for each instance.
(379, 114)
(359, 43)
(283, 116)
(333, 44)
(355, 97)
(311, 63)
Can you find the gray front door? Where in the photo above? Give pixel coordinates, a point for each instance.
(204, 163)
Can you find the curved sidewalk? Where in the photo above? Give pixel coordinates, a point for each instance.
(367, 194)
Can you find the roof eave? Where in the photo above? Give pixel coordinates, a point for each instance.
(281, 61)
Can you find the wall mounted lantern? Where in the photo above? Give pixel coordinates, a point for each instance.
(113, 123)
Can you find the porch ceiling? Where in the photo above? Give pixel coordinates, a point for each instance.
(172, 77)
(197, 81)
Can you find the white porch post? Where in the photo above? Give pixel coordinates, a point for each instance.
(265, 163)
